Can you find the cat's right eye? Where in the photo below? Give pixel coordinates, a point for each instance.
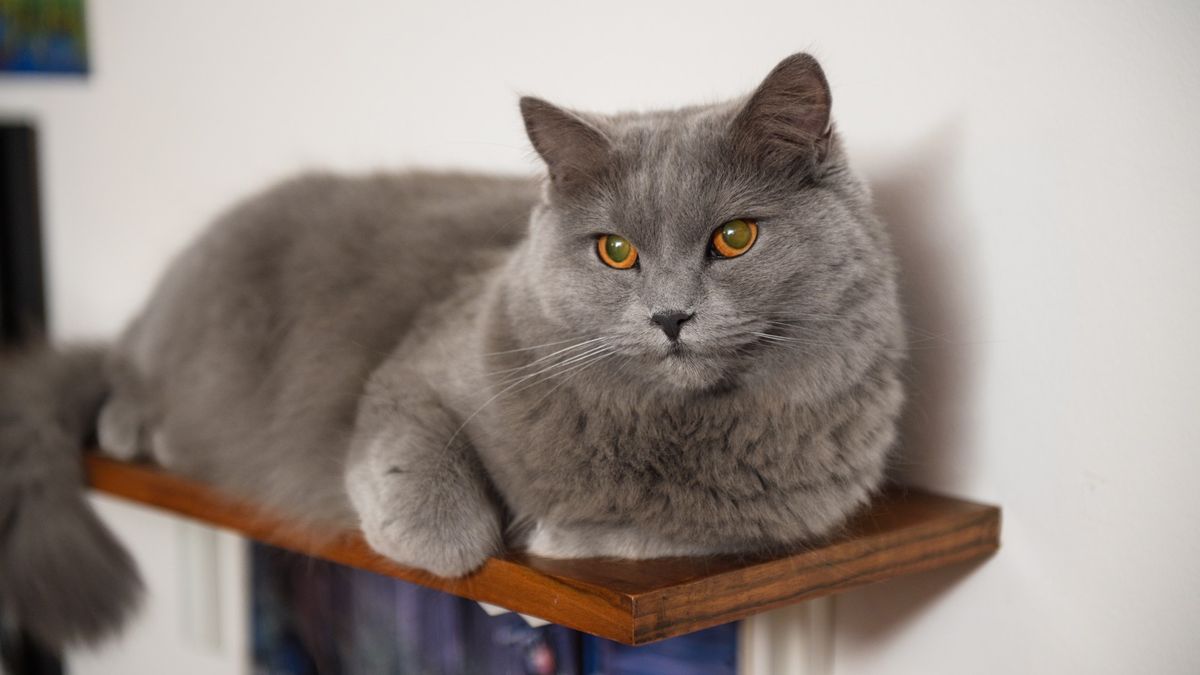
(616, 251)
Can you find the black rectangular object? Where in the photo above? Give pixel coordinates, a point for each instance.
(22, 285)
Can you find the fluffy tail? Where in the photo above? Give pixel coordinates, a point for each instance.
(62, 573)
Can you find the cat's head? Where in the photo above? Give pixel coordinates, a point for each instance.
(709, 241)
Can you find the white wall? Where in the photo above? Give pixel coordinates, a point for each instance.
(195, 616)
(1038, 160)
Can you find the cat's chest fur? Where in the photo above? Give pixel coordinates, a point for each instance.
(725, 467)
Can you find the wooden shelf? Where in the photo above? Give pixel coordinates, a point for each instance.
(633, 602)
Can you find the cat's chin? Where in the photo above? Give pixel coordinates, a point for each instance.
(688, 371)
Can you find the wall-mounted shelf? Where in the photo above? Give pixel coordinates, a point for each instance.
(633, 602)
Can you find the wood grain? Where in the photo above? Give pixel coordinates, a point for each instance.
(633, 602)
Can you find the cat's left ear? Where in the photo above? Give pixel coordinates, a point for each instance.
(574, 150)
(786, 121)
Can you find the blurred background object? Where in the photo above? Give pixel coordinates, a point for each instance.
(43, 36)
(312, 616)
(22, 287)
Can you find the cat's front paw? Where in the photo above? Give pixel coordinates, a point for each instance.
(436, 523)
(450, 552)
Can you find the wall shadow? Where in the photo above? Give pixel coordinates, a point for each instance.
(866, 616)
(918, 194)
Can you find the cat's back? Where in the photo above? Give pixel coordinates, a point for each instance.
(335, 246)
(273, 319)
(423, 212)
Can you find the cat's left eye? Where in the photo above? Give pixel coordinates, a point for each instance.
(734, 238)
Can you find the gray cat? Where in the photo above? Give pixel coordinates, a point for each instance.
(686, 340)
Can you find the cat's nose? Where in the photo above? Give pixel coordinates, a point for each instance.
(671, 321)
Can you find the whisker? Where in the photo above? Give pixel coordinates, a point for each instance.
(591, 363)
(565, 361)
(797, 343)
(785, 338)
(824, 317)
(915, 336)
(577, 368)
(526, 349)
(790, 324)
(503, 391)
(548, 356)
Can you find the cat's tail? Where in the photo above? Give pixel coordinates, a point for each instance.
(62, 573)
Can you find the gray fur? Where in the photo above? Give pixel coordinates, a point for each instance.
(444, 360)
(61, 572)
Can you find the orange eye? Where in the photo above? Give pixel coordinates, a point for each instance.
(734, 238)
(616, 251)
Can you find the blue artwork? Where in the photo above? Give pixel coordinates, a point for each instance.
(43, 36)
(311, 616)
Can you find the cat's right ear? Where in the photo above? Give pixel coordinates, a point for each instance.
(574, 150)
